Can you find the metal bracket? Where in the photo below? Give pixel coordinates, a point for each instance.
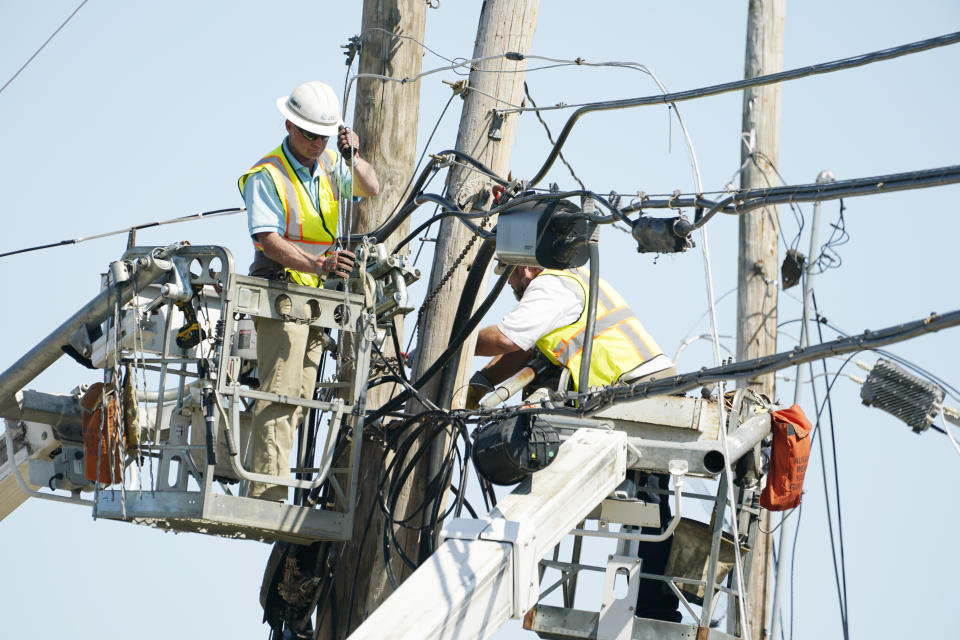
(460, 87)
(496, 126)
(525, 572)
(616, 614)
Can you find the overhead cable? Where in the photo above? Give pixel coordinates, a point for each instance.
(453, 347)
(526, 90)
(840, 575)
(738, 85)
(145, 225)
(868, 340)
(45, 43)
(436, 161)
(745, 200)
(950, 389)
(451, 67)
(426, 146)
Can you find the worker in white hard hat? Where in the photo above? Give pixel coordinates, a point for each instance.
(293, 197)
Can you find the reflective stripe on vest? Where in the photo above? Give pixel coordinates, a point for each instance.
(312, 230)
(620, 342)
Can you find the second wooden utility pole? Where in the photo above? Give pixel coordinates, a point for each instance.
(758, 262)
(505, 25)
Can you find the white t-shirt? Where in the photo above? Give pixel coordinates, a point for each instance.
(550, 303)
(547, 304)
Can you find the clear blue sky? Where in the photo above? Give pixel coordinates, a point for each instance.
(138, 112)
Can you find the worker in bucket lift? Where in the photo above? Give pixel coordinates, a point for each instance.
(292, 197)
(551, 318)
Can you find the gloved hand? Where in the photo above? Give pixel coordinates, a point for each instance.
(336, 263)
(348, 143)
(480, 386)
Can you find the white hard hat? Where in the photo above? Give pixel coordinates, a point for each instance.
(314, 107)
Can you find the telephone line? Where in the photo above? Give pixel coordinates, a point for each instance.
(146, 225)
(868, 340)
(738, 85)
(45, 43)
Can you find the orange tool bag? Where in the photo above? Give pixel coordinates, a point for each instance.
(789, 454)
(102, 443)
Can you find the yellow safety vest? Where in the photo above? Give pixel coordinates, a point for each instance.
(312, 231)
(620, 343)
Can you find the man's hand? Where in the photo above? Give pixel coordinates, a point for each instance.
(348, 143)
(365, 183)
(480, 386)
(336, 263)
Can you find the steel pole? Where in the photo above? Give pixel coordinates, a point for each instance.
(822, 177)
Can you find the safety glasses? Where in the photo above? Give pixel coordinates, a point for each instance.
(310, 137)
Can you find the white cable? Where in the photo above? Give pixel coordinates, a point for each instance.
(704, 336)
(45, 43)
(346, 222)
(728, 473)
(946, 428)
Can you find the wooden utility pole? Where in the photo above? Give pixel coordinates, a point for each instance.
(758, 261)
(385, 118)
(505, 25)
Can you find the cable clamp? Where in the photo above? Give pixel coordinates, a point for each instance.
(442, 160)
(353, 46)
(460, 87)
(673, 196)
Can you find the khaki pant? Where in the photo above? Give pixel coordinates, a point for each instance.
(288, 355)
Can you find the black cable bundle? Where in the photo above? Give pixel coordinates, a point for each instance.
(409, 441)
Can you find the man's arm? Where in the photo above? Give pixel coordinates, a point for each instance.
(508, 360)
(505, 366)
(541, 310)
(365, 182)
(492, 342)
(281, 250)
(289, 255)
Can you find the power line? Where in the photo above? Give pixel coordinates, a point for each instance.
(948, 388)
(146, 225)
(526, 90)
(868, 340)
(45, 43)
(745, 200)
(738, 85)
(844, 610)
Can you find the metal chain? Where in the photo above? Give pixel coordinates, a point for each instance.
(456, 263)
(286, 317)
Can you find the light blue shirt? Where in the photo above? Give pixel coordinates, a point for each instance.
(264, 210)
